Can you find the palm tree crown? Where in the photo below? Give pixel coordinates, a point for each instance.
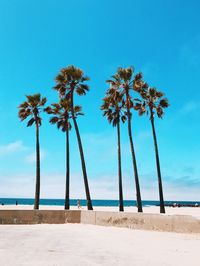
(71, 78)
(62, 114)
(113, 107)
(152, 101)
(122, 81)
(32, 107)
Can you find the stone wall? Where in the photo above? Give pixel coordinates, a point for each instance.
(39, 216)
(158, 222)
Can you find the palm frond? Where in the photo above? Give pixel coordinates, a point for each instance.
(30, 122)
(80, 91)
(152, 92)
(56, 105)
(137, 106)
(34, 100)
(125, 73)
(110, 81)
(48, 110)
(85, 78)
(159, 111)
(60, 124)
(23, 105)
(159, 94)
(123, 118)
(164, 103)
(54, 120)
(142, 110)
(84, 87)
(59, 79)
(43, 101)
(24, 113)
(77, 108)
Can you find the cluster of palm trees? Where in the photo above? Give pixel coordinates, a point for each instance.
(117, 107)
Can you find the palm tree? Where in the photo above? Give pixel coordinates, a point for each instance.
(123, 81)
(71, 80)
(62, 115)
(32, 107)
(152, 102)
(113, 107)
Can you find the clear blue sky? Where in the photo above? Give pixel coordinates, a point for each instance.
(159, 38)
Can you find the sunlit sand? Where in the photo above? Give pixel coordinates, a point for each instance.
(79, 244)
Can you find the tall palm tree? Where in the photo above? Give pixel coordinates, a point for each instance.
(152, 102)
(32, 108)
(123, 81)
(61, 117)
(69, 81)
(113, 107)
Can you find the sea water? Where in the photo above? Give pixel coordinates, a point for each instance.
(83, 202)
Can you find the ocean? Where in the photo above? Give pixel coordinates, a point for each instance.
(73, 202)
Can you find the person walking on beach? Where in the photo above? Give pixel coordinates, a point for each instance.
(78, 204)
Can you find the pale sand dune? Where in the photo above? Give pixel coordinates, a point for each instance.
(89, 245)
(193, 211)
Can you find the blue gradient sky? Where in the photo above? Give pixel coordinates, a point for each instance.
(159, 38)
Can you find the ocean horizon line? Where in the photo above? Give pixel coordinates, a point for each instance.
(96, 202)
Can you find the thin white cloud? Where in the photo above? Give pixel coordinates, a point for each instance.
(105, 144)
(102, 187)
(144, 135)
(31, 158)
(190, 107)
(12, 147)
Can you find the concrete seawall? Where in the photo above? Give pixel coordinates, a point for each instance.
(157, 222)
(39, 216)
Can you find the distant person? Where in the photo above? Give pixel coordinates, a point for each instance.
(78, 204)
(16, 202)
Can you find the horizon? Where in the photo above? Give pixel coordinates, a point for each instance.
(165, 47)
(85, 201)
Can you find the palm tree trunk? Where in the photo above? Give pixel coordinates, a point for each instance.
(87, 191)
(67, 204)
(121, 204)
(37, 186)
(137, 184)
(162, 205)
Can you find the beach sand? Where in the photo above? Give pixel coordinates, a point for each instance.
(88, 245)
(193, 211)
(81, 244)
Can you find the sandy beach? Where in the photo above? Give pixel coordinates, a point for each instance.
(83, 244)
(78, 244)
